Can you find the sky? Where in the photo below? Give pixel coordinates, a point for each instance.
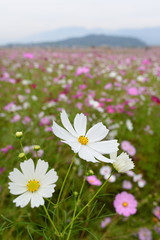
(22, 18)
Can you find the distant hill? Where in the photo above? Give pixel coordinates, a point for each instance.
(91, 40)
(151, 36)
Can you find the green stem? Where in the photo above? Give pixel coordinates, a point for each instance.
(36, 157)
(75, 209)
(22, 148)
(59, 196)
(45, 209)
(50, 202)
(88, 203)
(65, 179)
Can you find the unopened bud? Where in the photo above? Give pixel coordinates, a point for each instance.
(90, 172)
(37, 147)
(19, 134)
(21, 155)
(75, 194)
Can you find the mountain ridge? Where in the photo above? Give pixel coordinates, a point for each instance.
(149, 35)
(90, 40)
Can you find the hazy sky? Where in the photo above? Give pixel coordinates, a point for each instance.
(20, 18)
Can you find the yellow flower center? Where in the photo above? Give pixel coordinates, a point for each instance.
(125, 204)
(83, 140)
(33, 185)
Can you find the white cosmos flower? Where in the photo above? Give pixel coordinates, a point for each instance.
(32, 184)
(123, 163)
(88, 145)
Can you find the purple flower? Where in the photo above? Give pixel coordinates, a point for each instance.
(28, 55)
(44, 121)
(125, 204)
(40, 153)
(133, 91)
(145, 234)
(81, 70)
(105, 222)
(156, 212)
(130, 149)
(26, 120)
(93, 180)
(6, 149)
(9, 106)
(126, 184)
(16, 118)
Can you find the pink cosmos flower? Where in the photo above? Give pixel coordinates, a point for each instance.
(125, 204)
(82, 86)
(93, 180)
(125, 145)
(9, 106)
(110, 109)
(155, 99)
(109, 100)
(44, 121)
(16, 118)
(81, 70)
(40, 153)
(130, 149)
(126, 184)
(133, 91)
(27, 90)
(28, 55)
(145, 234)
(108, 86)
(79, 105)
(156, 212)
(48, 129)
(105, 222)
(26, 120)
(6, 149)
(11, 80)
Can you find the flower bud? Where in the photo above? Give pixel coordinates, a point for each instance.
(75, 194)
(37, 147)
(19, 135)
(21, 155)
(90, 172)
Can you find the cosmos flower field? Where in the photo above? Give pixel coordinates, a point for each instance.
(118, 87)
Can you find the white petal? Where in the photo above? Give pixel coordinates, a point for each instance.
(23, 199)
(66, 123)
(85, 154)
(104, 147)
(47, 191)
(113, 155)
(41, 169)
(49, 178)
(75, 146)
(17, 189)
(17, 177)
(88, 152)
(28, 169)
(36, 200)
(100, 157)
(97, 132)
(80, 124)
(62, 133)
